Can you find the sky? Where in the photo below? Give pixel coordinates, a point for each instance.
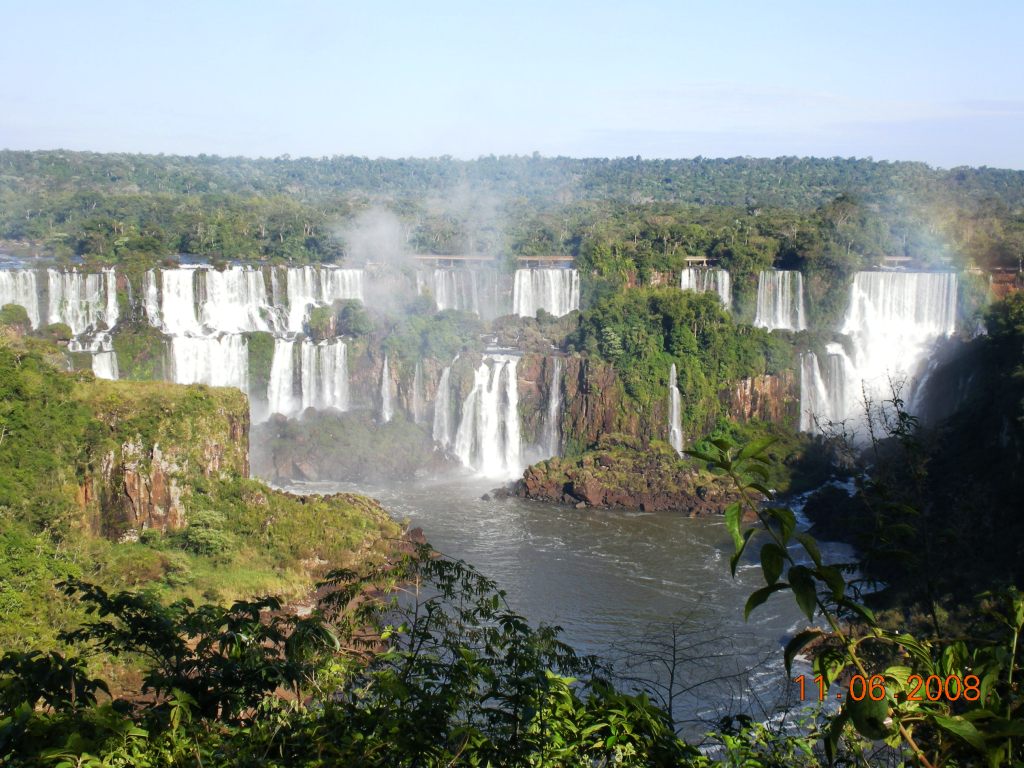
(940, 82)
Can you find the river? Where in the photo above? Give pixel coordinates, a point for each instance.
(616, 582)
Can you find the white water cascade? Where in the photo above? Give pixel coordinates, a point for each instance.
(386, 409)
(104, 364)
(675, 412)
(83, 302)
(308, 287)
(826, 393)
(235, 301)
(456, 289)
(553, 421)
(18, 286)
(220, 361)
(488, 438)
(780, 301)
(417, 394)
(305, 374)
(893, 321)
(556, 291)
(442, 431)
(710, 281)
(177, 310)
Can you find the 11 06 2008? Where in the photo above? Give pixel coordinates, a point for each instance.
(931, 688)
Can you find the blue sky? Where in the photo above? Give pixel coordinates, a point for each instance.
(941, 82)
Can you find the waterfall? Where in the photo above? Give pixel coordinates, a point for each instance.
(556, 291)
(488, 438)
(235, 301)
(220, 361)
(443, 410)
(281, 386)
(780, 301)
(18, 286)
(417, 393)
(321, 381)
(708, 280)
(893, 320)
(83, 302)
(553, 421)
(151, 297)
(307, 287)
(324, 375)
(386, 410)
(456, 289)
(675, 423)
(178, 306)
(104, 364)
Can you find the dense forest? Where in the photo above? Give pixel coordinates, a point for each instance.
(625, 215)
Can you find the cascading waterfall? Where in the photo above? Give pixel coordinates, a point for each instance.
(675, 412)
(556, 291)
(307, 287)
(281, 386)
(324, 375)
(488, 438)
(19, 286)
(83, 302)
(220, 361)
(825, 391)
(177, 312)
(320, 381)
(780, 300)
(708, 280)
(893, 320)
(553, 421)
(235, 301)
(386, 409)
(456, 289)
(442, 431)
(417, 394)
(151, 298)
(104, 364)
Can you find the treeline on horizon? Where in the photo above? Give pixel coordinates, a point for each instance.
(614, 215)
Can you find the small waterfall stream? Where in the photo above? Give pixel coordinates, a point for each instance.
(675, 414)
(553, 420)
(386, 409)
(442, 431)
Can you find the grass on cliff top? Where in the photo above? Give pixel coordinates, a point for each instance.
(246, 539)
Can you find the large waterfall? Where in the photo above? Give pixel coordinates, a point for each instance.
(708, 280)
(442, 431)
(556, 291)
(456, 289)
(308, 287)
(305, 374)
(780, 301)
(675, 412)
(553, 421)
(893, 321)
(488, 438)
(235, 301)
(18, 286)
(221, 361)
(84, 302)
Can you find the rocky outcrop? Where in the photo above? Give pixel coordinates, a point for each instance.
(771, 398)
(160, 441)
(618, 474)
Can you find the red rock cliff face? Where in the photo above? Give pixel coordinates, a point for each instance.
(162, 440)
(774, 398)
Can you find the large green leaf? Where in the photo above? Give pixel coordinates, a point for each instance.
(962, 728)
(772, 560)
(732, 523)
(804, 589)
(756, 447)
(797, 644)
(758, 597)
